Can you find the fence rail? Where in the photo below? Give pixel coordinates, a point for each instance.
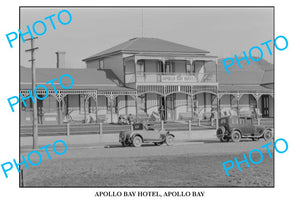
(99, 128)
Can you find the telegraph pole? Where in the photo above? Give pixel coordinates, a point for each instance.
(34, 105)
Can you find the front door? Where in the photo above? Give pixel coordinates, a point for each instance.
(162, 108)
(171, 107)
(265, 105)
(40, 111)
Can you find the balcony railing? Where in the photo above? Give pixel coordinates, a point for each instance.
(175, 78)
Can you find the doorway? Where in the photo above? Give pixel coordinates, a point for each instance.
(170, 108)
(162, 108)
(265, 106)
(40, 111)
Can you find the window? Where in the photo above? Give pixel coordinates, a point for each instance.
(140, 66)
(138, 126)
(101, 64)
(234, 120)
(142, 103)
(116, 105)
(170, 66)
(242, 121)
(188, 67)
(249, 121)
(81, 103)
(28, 105)
(89, 105)
(223, 121)
(265, 105)
(159, 66)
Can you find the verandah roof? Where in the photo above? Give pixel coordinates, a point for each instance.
(244, 88)
(83, 79)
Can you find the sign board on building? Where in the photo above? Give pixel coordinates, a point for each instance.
(130, 78)
(178, 78)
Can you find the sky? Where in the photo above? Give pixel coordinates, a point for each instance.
(223, 32)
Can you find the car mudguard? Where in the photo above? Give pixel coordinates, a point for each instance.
(237, 129)
(170, 134)
(136, 134)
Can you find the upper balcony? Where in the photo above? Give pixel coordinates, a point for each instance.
(146, 69)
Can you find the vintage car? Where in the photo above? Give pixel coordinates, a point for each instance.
(236, 128)
(141, 134)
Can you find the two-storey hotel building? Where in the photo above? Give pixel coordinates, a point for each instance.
(145, 76)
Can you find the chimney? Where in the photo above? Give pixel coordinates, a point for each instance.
(60, 59)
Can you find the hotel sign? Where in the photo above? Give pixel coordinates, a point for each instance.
(178, 78)
(130, 78)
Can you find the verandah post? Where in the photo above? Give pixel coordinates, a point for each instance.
(218, 111)
(136, 107)
(192, 107)
(100, 128)
(68, 129)
(96, 99)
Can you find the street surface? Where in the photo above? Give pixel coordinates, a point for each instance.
(195, 160)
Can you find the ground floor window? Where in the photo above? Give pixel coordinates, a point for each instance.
(265, 105)
(28, 103)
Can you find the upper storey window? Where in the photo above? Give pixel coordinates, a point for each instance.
(101, 64)
(170, 66)
(140, 66)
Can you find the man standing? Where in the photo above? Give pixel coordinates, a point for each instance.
(40, 115)
(162, 112)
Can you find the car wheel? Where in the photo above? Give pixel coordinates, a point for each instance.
(224, 139)
(169, 140)
(268, 135)
(158, 144)
(220, 133)
(137, 141)
(236, 136)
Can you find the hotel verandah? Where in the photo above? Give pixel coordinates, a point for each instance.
(148, 75)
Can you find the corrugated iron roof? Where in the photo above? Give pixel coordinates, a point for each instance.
(241, 88)
(82, 78)
(137, 45)
(240, 77)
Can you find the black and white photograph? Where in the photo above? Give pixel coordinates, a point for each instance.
(143, 99)
(127, 106)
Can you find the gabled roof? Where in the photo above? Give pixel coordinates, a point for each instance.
(137, 45)
(82, 78)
